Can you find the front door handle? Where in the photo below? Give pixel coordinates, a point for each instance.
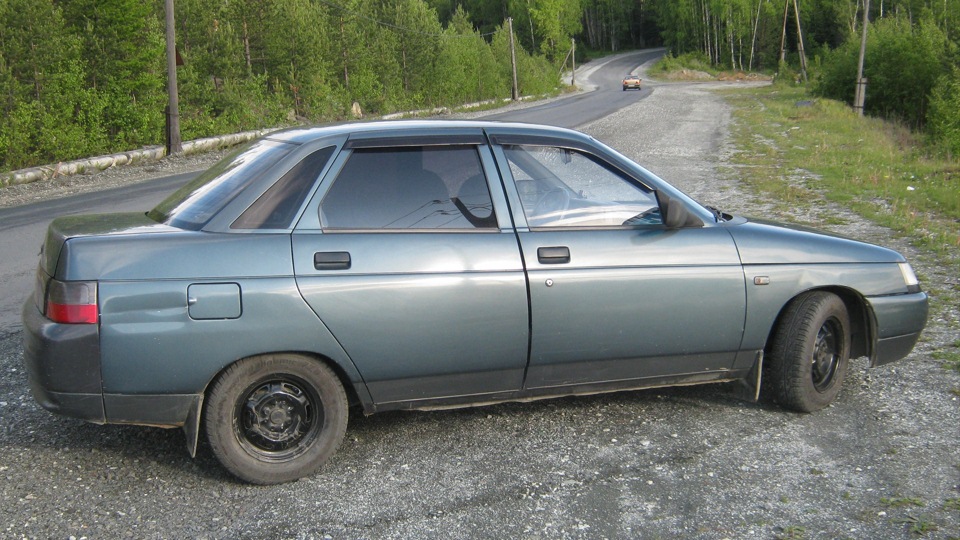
(331, 260)
(553, 255)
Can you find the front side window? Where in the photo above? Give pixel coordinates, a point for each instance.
(430, 187)
(560, 187)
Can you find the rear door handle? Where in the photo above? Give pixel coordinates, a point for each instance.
(331, 260)
(553, 255)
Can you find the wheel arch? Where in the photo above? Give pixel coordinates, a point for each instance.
(862, 320)
(356, 396)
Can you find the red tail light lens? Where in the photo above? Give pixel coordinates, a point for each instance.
(72, 302)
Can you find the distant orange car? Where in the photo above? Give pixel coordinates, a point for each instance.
(631, 81)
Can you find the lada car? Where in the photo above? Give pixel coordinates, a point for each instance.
(433, 264)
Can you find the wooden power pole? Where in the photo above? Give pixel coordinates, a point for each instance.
(860, 94)
(803, 56)
(573, 62)
(515, 91)
(783, 33)
(174, 143)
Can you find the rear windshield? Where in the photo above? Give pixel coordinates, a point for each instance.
(193, 205)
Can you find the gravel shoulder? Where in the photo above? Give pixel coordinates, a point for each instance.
(691, 462)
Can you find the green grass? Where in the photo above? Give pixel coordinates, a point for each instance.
(673, 65)
(875, 168)
(950, 356)
(899, 502)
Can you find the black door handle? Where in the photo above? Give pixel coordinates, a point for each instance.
(553, 255)
(331, 260)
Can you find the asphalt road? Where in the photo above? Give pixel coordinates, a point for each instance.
(689, 462)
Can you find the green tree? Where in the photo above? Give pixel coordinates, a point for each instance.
(50, 114)
(903, 63)
(122, 43)
(556, 22)
(418, 32)
(943, 120)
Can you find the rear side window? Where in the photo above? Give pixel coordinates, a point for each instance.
(277, 207)
(195, 204)
(429, 187)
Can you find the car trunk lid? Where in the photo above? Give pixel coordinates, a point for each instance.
(64, 228)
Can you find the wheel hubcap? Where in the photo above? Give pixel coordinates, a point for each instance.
(826, 356)
(278, 419)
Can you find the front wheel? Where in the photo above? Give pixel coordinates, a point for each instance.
(809, 352)
(275, 418)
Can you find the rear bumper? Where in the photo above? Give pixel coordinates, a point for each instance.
(899, 321)
(63, 369)
(63, 365)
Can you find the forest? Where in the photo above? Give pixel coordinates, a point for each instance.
(86, 77)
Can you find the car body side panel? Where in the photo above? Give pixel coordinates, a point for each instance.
(633, 303)
(423, 315)
(762, 242)
(785, 281)
(149, 341)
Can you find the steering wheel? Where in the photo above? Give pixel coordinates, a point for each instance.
(552, 205)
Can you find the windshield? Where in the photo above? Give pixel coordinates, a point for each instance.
(193, 205)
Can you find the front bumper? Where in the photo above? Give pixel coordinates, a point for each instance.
(63, 365)
(899, 320)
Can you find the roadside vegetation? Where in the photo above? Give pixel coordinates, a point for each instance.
(793, 144)
(912, 57)
(82, 78)
(684, 66)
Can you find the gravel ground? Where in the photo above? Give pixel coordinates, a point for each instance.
(690, 462)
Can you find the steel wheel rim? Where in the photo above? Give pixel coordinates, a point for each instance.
(826, 355)
(279, 418)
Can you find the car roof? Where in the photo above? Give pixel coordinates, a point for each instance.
(301, 135)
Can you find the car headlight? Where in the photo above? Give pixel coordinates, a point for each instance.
(910, 278)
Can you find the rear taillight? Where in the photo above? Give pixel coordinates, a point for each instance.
(72, 302)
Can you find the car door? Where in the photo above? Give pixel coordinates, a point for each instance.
(405, 256)
(616, 297)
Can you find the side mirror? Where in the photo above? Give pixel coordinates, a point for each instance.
(676, 215)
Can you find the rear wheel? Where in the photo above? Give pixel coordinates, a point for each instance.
(276, 418)
(810, 351)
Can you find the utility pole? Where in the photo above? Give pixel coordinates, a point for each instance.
(783, 33)
(174, 143)
(514, 91)
(860, 95)
(573, 62)
(803, 56)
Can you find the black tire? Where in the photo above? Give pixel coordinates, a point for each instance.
(275, 418)
(809, 353)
